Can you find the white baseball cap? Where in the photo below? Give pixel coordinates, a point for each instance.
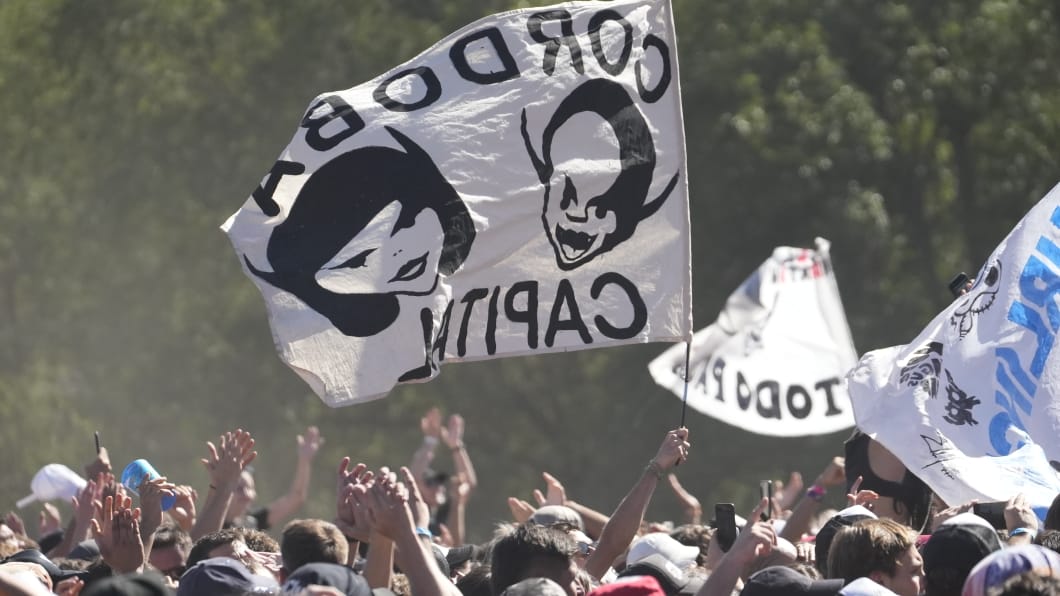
(658, 543)
(53, 481)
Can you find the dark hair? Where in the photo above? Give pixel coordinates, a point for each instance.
(911, 495)
(1028, 583)
(201, 550)
(529, 546)
(475, 582)
(170, 534)
(1050, 539)
(697, 535)
(260, 541)
(337, 202)
(1052, 517)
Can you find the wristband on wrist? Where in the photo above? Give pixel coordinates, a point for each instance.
(424, 532)
(816, 492)
(430, 441)
(1023, 531)
(656, 469)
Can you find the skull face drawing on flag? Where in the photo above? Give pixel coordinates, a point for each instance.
(586, 215)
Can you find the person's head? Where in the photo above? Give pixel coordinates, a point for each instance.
(37, 558)
(139, 584)
(340, 577)
(672, 579)
(1000, 565)
(259, 541)
(223, 576)
(882, 550)
(785, 581)
(534, 586)
(222, 543)
(903, 497)
(823, 542)
(552, 515)
(367, 226)
(535, 551)
(1050, 539)
(953, 550)
(312, 541)
(476, 582)
(245, 494)
(696, 535)
(32, 572)
(658, 543)
(169, 552)
(434, 489)
(586, 212)
(1027, 583)
(1052, 517)
(461, 559)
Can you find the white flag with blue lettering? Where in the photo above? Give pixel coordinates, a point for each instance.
(971, 405)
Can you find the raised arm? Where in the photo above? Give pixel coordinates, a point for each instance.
(287, 505)
(453, 435)
(757, 539)
(393, 518)
(431, 426)
(807, 507)
(622, 527)
(224, 464)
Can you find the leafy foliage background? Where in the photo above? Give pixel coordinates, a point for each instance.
(913, 135)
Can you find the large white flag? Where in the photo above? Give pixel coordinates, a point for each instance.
(971, 405)
(517, 188)
(773, 361)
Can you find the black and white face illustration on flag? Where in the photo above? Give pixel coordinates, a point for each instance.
(587, 213)
(517, 188)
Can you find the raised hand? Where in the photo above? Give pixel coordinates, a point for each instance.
(757, 538)
(151, 493)
(1018, 514)
(833, 474)
(227, 461)
(786, 494)
(13, 521)
(944, 514)
(85, 504)
(453, 433)
(674, 450)
(431, 423)
(183, 511)
(99, 465)
(117, 533)
(388, 507)
(421, 513)
(861, 497)
(351, 515)
(49, 521)
(689, 503)
(309, 443)
(521, 510)
(70, 586)
(555, 494)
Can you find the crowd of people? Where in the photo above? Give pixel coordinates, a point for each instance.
(401, 532)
